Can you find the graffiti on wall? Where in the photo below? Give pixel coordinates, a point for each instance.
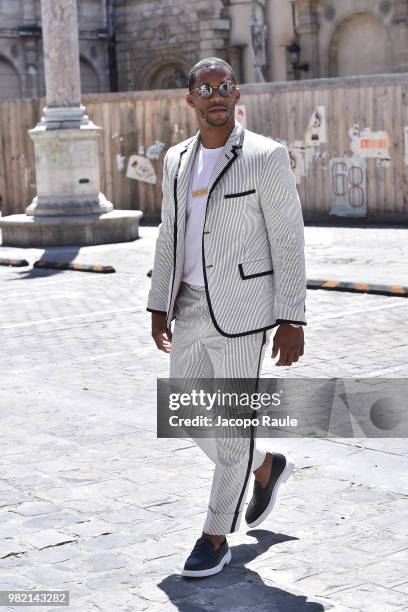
(297, 159)
(348, 174)
(348, 186)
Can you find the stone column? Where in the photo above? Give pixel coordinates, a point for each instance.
(61, 63)
(28, 11)
(30, 32)
(240, 12)
(280, 28)
(400, 37)
(308, 29)
(65, 140)
(31, 54)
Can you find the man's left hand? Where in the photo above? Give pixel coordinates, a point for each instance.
(290, 343)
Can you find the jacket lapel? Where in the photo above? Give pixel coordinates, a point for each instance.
(182, 183)
(182, 180)
(228, 156)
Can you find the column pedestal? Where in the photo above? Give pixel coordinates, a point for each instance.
(67, 172)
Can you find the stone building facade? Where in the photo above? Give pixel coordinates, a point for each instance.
(21, 54)
(353, 37)
(157, 40)
(151, 44)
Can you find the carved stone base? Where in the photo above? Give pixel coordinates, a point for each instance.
(74, 204)
(70, 230)
(67, 172)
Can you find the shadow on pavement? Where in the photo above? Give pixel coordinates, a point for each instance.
(237, 587)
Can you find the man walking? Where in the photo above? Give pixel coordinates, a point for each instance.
(229, 267)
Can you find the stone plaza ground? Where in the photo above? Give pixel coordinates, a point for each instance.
(92, 502)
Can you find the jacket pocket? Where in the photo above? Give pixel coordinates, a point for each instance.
(255, 268)
(238, 195)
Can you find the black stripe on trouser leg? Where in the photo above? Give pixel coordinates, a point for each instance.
(251, 445)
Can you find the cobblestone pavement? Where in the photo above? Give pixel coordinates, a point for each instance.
(92, 502)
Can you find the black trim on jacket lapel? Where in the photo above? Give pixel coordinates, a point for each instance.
(175, 225)
(251, 443)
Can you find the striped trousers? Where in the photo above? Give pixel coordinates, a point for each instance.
(198, 350)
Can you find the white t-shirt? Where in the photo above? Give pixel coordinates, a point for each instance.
(203, 169)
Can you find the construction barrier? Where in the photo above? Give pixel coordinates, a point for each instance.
(64, 265)
(331, 285)
(18, 263)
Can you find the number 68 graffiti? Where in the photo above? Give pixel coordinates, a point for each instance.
(348, 182)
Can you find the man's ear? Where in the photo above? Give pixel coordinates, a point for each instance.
(189, 99)
(238, 92)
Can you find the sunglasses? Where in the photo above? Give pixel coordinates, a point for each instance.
(224, 89)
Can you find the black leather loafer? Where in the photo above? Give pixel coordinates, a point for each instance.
(263, 499)
(204, 560)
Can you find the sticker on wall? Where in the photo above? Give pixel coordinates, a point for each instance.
(140, 169)
(120, 162)
(297, 159)
(117, 135)
(310, 155)
(322, 157)
(315, 134)
(406, 145)
(383, 162)
(241, 114)
(178, 130)
(153, 152)
(348, 187)
(368, 144)
(27, 174)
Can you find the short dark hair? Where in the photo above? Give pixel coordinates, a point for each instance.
(209, 62)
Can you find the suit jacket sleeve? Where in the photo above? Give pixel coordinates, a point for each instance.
(163, 259)
(284, 223)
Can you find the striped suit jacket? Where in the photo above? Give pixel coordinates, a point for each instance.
(253, 238)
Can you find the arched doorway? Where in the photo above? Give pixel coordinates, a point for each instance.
(169, 76)
(10, 85)
(89, 77)
(360, 45)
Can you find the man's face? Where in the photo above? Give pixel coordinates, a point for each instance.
(216, 110)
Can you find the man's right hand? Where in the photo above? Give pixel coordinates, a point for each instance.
(160, 333)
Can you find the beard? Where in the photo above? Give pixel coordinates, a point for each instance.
(212, 119)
